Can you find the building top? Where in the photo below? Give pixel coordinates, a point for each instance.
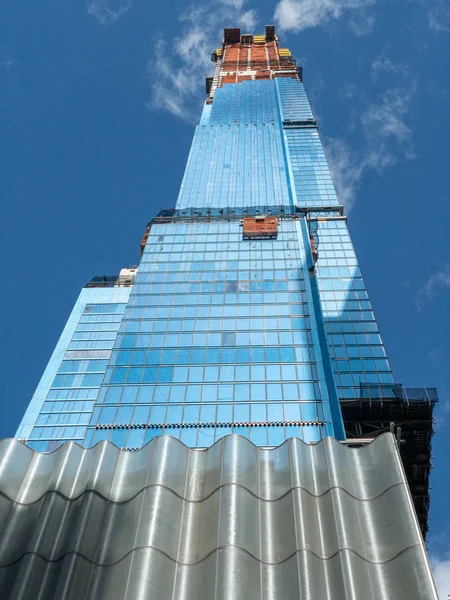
(245, 57)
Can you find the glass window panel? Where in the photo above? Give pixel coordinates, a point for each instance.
(258, 435)
(165, 374)
(275, 412)
(141, 414)
(306, 391)
(168, 356)
(274, 391)
(129, 394)
(272, 354)
(258, 391)
(189, 436)
(138, 357)
(136, 438)
(291, 411)
(124, 414)
(191, 413)
(158, 414)
(153, 357)
(211, 374)
(107, 414)
(196, 374)
(161, 393)
(113, 395)
(224, 413)
(119, 375)
(213, 355)
(242, 392)
(227, 355)
(119, 437)
(205, 437)
(258, 412)
(227, 373)
(275, 436)
(287, 354)
(193, 393)
(242, 355)
(241, 412)
(174, 414)
(208, 413)
(257, 354)
(134, 375)
(308, 412)
(288, 372)
(290, 391)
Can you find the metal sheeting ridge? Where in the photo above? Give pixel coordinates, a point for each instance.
(226, 575)
(16, 442)
(188, 533)
(267, 473)
(201, 560)
(200, 500)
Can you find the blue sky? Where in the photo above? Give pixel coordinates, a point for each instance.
(97, 105)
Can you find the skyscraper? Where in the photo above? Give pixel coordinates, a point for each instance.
(247, 313)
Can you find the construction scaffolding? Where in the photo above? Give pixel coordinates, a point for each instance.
(250, 57)
(408, 413)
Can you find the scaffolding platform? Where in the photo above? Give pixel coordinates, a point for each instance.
(408, 413)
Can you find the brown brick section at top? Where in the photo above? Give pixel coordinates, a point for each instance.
(254, 57)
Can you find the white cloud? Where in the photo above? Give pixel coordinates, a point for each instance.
(108, 11)
(387, 139)
(177, 73)
(362, 24)
(346, 170)
(385, 130)
(248, 20)
(383, 64)
(5, 61)
(441, 574)
(438, 282)
(236, 4)
(439, 18)
(296, 15)
(174, 88)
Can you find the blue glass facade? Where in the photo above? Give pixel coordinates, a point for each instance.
(355, 345)
(220, 333)
(64, 400)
